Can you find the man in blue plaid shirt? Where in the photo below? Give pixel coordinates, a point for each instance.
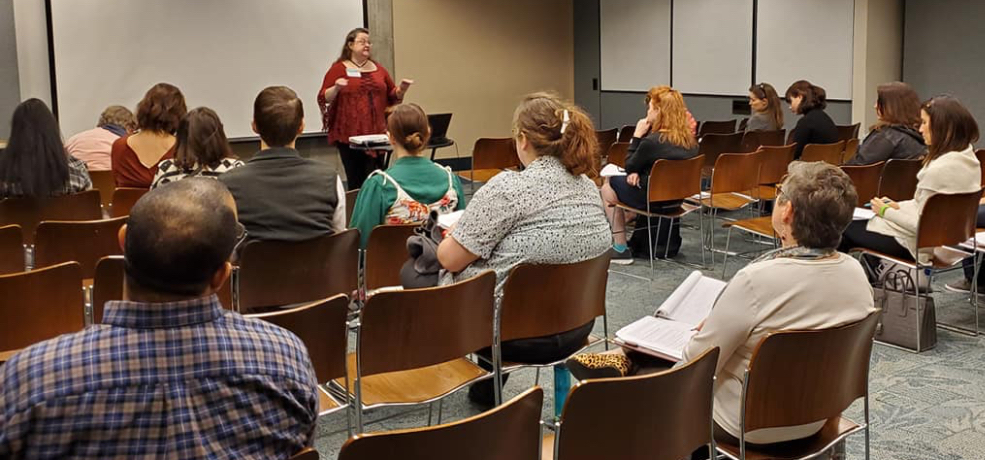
(169, 373)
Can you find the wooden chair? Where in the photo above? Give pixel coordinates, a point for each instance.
(734, 175)
(946, 221)
(851, 148)
(39, 305)
(11, 249)
(105, 183)
(606, 138)
(713, 145)
(671, 180)
(799, 377)
(28, 212)
(548, 299)
(828, 153)
(899, 179)
(124, 198)
(321, 325)
(848, 132)
(386, 252)
(615, 417)
(107, 285)
(866, 180)
(753, 140)
(626, 133)
(350, 204)
(306, 454)
(510, 431)
(84, 242)
(980, 154)
(278, 273)
(490, 156)
(743, 123)
(716, 127)
(617, 154)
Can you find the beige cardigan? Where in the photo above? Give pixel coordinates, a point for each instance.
(952, 172)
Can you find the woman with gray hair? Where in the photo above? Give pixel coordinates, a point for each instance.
(781, 290)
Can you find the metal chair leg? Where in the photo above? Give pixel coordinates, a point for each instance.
(728, 240)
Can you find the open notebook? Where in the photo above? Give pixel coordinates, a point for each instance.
(667, 332)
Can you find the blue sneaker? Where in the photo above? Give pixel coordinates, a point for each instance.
(622, 258)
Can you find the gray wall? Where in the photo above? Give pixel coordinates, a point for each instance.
(587, 49)
(10, 89)
(944, 50)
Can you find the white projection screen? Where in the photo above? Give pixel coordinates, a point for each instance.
(221, 53)
(635, 44)
(713, 47)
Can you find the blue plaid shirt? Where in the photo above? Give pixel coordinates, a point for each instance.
(167, 380)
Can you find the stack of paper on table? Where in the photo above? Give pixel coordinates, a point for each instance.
(667, 332)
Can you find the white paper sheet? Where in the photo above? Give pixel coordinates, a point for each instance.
(863, 214)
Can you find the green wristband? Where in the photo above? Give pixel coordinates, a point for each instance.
(882, 212)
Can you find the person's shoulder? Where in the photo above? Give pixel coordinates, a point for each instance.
(50, 359)
(120, 145)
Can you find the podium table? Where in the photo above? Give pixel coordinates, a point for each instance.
(389, 149)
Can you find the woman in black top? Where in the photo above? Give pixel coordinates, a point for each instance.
(895, 135)
(815, 126)
(663, 134)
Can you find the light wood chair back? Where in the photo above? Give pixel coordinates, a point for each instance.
(775, 161)
(753, 140)
(672, 180)
(799, 377)
(105, 183)
(124, 198)
(851, 148)
(848, 131)
(386, 252)
(11, 249)
(29, 212)
(414, 328)
(84, 242)
(350, 204)
(716, 127)
(682, 425)
(617, 154)
(948, 219)
(626, 133)
(899, 179)
(277, 273)
(509, 431)
(494, 153)
(713, 145)
(828, 153)
(866, 180)
(321, 325)
(546, 299)
(736, 172)
(40, 304)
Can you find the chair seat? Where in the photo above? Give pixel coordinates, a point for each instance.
(547, 447)
(414, 385)
(727, 201)
(325, 403)
(944, 257)
(510, 366)
(480, 175)
(836, 428)
(762, 226)
(683, 210)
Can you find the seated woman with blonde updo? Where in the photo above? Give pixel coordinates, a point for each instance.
(414, 186)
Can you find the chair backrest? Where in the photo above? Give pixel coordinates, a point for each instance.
(899, 179)
(716, 127)
(743, 123)
(980, 154)
(626, 133)
(321, 325)
(124, 198)
(276, 273)
(799, 377)
(682, 424)
(494, 153)
(828, 153)
(775, 160)
(866, 180)
(948, 219)
(736, 172)
(547, 299)
(40, 304)
(11, 249)
(753, 140)
(107, 285)
(105, 183)
(386, 252)
(350, 204)
(421, 327)
(82, 241)
(851, 148)
(848, 132)
(672, 180)
(509, 431)
(617, 154)
(306, 454)
(606, 138)
(713, 145)
(28, 212)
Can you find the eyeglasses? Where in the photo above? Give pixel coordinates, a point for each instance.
(241, 235)
(364, 42)
(779, 188)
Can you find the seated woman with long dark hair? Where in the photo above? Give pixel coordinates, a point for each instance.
(35, 163)
(201, 149)
(895, 135)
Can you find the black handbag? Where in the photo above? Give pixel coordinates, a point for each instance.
(905, 314)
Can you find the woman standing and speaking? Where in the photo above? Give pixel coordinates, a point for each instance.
(353, 99)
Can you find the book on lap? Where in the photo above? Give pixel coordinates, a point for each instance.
(667, 332)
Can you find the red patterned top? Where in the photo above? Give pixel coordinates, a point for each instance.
(359, 108)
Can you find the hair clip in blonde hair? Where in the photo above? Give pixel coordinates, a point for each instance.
(565, 120)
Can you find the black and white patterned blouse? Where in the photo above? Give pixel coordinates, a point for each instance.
(168, 172)
(540, 215)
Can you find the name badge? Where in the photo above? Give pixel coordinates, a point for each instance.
(353, 73)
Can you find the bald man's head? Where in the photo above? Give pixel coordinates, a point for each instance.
(179, 235)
